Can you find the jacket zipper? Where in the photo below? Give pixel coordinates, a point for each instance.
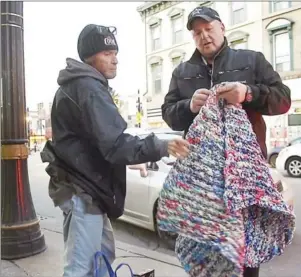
(212, 71)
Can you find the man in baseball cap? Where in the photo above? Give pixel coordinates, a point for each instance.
(251, 82)
(204, 13)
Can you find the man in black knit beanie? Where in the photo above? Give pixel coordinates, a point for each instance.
(89, 152)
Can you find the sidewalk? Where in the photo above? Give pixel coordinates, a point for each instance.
(50, 263)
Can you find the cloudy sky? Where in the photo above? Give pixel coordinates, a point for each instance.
(50, 35)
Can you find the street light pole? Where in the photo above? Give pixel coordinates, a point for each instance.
(21, 235)
(139, 109)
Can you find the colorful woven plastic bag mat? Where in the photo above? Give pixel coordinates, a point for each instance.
(221, 199)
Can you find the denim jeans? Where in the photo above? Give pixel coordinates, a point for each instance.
(84, 235)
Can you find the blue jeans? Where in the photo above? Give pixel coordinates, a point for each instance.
(84, 235)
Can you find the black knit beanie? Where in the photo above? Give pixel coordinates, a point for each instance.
(94, 39)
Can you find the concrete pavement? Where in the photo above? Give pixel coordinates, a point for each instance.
(50, 262)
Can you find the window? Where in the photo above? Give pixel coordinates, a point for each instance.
(294, 120)
(276, 6)
(239, 44)
(176, 61)
(281, 35)
(238, 12)
(282, 57)
(155, 35)
(238, 39)
(156, 70)
(177, 29)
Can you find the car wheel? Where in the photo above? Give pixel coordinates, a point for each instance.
(169, 239)
(272, 160)
(294, 167)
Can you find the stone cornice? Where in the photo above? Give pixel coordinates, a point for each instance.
(151, 8)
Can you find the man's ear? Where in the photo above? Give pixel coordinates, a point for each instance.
(223, 27)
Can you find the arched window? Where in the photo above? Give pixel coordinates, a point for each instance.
(281, 41)
(155, 33)
(155, 64)
(176, 16)
(176, 57)
(238, 40)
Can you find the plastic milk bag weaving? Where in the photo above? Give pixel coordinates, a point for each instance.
(221, 199)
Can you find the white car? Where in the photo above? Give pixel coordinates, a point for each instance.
(289, 159)
(145, 181)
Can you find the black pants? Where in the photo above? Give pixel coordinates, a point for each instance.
(251, 272)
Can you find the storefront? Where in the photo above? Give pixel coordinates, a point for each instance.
(283, 128)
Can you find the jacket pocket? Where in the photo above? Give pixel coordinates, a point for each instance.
(244, 75)
(188, 84)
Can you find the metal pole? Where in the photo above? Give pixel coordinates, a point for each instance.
(21, 235)
(139, 108)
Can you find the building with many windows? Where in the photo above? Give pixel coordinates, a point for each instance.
(270, 27)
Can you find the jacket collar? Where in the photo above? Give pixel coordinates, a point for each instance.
(197, 56)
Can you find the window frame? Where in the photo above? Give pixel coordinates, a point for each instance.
(236, 36)
(276, 27)
(173, 18)
(272, 6)
(153, 23)
(232, 23)
(154, 77)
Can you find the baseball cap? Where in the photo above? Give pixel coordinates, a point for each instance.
(96, 38)
(205, 13)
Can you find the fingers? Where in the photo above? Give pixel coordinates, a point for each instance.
(200, 97)
(179, 148)
(202, 92)
(224, 89)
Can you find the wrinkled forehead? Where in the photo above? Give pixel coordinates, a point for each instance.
(199, 24)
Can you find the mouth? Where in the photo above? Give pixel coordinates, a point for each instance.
(207, 44)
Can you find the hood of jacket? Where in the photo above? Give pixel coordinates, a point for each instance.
(76, 69)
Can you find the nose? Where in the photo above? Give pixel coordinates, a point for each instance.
(204, 35)
(115, 61)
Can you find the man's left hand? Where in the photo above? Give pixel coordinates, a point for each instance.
(234, 93)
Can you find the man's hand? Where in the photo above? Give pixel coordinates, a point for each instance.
(234, 93)
(178, 148)
(198, 99)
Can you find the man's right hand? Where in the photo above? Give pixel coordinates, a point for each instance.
(178, 148)
(198, 99)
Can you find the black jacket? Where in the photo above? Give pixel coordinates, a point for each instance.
(89, 143)
(270, 95)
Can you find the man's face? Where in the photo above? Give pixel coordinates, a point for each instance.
(208, 36)
(106, 63)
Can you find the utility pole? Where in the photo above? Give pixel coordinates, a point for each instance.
(21, 234)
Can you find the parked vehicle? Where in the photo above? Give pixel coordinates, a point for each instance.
(144, 183)
(274, 152)
(289, 160)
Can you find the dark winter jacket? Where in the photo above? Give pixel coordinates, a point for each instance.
(270, 95)
(89, 148)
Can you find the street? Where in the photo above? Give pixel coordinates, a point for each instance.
(287, 265)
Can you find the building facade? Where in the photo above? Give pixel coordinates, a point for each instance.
(281, 46)
(44, 119)
(269, 27)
